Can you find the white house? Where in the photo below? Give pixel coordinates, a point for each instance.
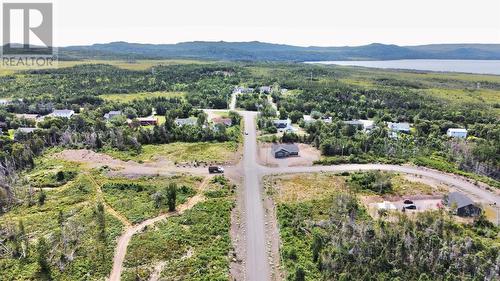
(457, 133)
(62, 113)
(242, 90)
(367, 125)
(112, 114)
(265, 89)
(397, 128)
(192, 121)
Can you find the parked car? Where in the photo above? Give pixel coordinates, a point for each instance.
(216, 170)
(408, 202)
(410, 207)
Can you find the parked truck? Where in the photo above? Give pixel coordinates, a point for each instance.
(216, 170)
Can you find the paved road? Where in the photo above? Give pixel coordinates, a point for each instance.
(257, 266)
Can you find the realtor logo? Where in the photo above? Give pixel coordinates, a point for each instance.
(27, 34)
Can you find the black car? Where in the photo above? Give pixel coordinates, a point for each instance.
(410, 207)
(407, 201)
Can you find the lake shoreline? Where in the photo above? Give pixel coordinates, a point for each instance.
(484, 67)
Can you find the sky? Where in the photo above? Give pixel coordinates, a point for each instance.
(302, 23)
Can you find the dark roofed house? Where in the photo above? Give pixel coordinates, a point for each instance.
(284, 150)
(282, 124)
(462, 205)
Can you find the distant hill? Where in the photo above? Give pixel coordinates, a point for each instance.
(258, 51)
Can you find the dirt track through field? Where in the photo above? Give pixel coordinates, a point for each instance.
(124, 240)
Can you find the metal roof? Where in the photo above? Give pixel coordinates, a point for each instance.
(459, 200)
(290, 147)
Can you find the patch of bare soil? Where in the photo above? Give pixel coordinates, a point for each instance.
(307, 156)
(129, 169)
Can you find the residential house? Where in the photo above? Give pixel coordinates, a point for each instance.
(26, 130)
(112, 114)
(366, 125)
(397, 128)
(192, 121)
(284, 150)
(23, 131)
(462, 205)
(148, 121)
(222, 121)
(284, 125)
(62, 113)
(243, 90)
(457, 133)
(34, 117)
(265, 90)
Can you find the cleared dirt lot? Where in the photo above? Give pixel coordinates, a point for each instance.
(130, 169)
(307, 156)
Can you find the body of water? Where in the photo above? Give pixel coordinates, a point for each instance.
(467, 66)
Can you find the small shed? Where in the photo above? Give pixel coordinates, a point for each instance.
(62, 113)
(457, 133)
(148, 121)
(462, 205)
(285, 150)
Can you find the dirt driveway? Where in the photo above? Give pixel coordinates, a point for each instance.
(307, 156)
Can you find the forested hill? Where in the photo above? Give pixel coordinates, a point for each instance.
(258, 51)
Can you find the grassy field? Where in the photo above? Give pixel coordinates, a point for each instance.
(140, 96)
(303, 187)
(193, 246)
(134, 198)
(182, 152)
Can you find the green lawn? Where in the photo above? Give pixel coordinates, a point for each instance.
(140, 96)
